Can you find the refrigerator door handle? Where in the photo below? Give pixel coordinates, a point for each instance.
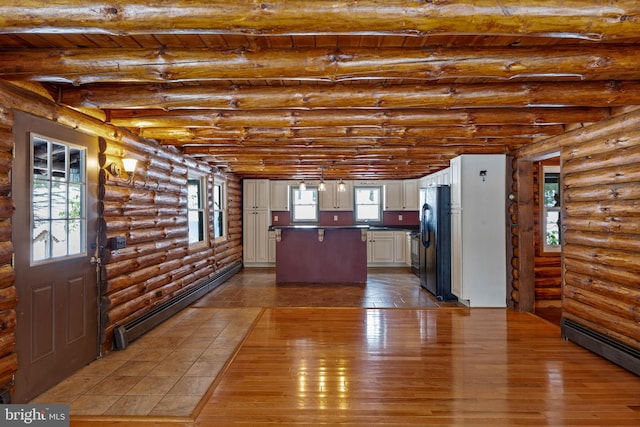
(426, 236)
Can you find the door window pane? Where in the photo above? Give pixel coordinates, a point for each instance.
(40, 249)
(59, 198)
(58, 188)
(40, 199)
(59, 238)
(58, 161)
(74, 201)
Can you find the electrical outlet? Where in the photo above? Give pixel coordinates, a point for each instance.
(335, 217)
(275, 218)
(399, 217)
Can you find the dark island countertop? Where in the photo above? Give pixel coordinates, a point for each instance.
(338, 227)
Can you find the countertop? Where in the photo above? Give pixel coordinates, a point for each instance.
(318, 227)
(408, 228)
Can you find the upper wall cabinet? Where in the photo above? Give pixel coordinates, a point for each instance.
(410, 194)
(255, 194)
(333, 200)
(280, 195)
(441, 177)
(401, 195)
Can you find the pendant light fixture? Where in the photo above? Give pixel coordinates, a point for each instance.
(322, 186)
(342, 187)
(302, 186)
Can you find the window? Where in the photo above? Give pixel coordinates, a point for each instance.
(58, 211)
(196, 205)
(368, 204)
(304, 205)
(551, 205)
(219, 210)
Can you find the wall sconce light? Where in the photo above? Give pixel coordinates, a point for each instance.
(483, 174)
(114, 169)
(342, 187)
(129, 167)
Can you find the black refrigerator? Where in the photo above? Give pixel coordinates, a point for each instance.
(435, 242)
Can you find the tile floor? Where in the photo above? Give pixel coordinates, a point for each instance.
(164, 373)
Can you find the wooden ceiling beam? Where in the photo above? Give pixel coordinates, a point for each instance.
(205, 135)
(429, 146)
(356, 153)
(556, 18)
(350, 143)
(83, 66)
(315, 118)
(546, 94)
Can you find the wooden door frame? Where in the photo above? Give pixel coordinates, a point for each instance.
(526, 238)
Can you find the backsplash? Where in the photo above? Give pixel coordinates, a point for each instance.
(396, 218)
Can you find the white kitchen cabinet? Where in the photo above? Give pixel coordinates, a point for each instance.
(333, 200)
(393, 195)
(478, 230)
(255, 194)
(401, 195)
(399, 247)
(410, 195)
(386, 247)
(279, 195)
(255, 237)
(380, 248)
(442, 177)
(272, 247)
(256, 219)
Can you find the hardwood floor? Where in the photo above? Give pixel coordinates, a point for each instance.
(385, 288)
(395, 358)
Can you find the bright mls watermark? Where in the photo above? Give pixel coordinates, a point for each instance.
(34, 415)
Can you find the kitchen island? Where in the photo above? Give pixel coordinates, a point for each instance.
(318, 254)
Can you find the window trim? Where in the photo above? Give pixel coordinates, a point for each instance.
(222, 182)
(544, 248)
(380, 204)
(292, 191)
(195, 176)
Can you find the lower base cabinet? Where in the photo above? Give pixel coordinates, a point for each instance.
(386, 248)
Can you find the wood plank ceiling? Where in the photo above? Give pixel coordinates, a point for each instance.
(372, 89)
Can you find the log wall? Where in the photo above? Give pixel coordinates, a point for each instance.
(601, 224)
(157, 263)
(151, 214)
(8, 292)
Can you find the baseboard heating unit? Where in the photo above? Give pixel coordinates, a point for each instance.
(612, 350)
(125, 334)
